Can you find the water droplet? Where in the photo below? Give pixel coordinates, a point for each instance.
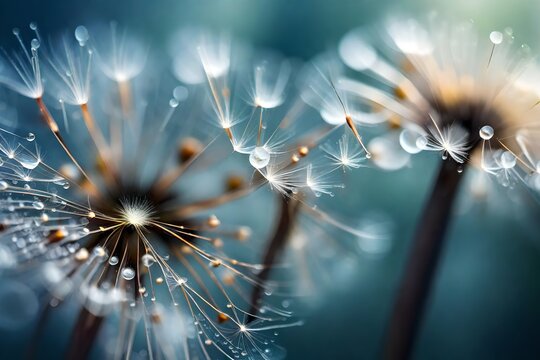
(30, 137)
(81, 34)
(128, 273)
(444, 155)
(486, 132)
(422, 142)
(100, 253)
(3, 185)
(180, 93)
(113, 260)
(259, 157)
(27, 160)
(38, 205)
(148, 260)
(173, 103)
(496, 37)
(508, 160)
(33, 26)
(408, 140)
(16, 31)
(34, 44)
(368, 155)
(460, 169)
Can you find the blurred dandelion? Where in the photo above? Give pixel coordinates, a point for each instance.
(125, 218)
(448, 89)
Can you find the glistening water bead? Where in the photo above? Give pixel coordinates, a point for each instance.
(147, 260)
(508, 160)
(486, 132)
(259, 157)
(128, 273)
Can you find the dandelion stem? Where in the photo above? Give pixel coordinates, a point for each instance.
(420, 269)
(51, 123)
(83, 336)
(288, 210)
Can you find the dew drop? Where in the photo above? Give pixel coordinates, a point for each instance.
(128, 273)
(259, 157)
(444, 155)
(100, 253)
(33, 26)
(81, 34)
(408, 139)
(180, 93)
(113, 260)
(422, 142)
(16, 31)
(460, 169)
(486, 132)
(496, 37)
(28, 161)
(30, 137)
(148, 260)
(173, 103)
(3, 185)
(38, 205)
(508, 160)
(34, 44)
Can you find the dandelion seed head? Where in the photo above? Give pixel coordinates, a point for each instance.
(136, 212)
(451, 90)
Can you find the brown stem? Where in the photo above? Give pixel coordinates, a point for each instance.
(38, 331)
(422, 264)
(288, 209)
(83, 336)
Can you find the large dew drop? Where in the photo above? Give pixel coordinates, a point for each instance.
(81, 34)
(486, 132)
(26, 159)
(508, 160)
(259, 157)
(38, 205)
(128, 273)
(148, 260)
(496, 37)
(409, 141)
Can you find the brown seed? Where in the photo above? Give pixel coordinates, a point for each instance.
(215, 263)
(155, 318)
(243, 233)
(56, 235)
(235, 182)
(394, 122)
(400, 93)
(213, 221)
(217, 242)
(303, 151)
(189, 148)
(222, 318)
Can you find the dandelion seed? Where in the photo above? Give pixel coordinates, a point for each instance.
(112, 223)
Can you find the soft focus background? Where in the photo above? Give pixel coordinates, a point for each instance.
(486, 300)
